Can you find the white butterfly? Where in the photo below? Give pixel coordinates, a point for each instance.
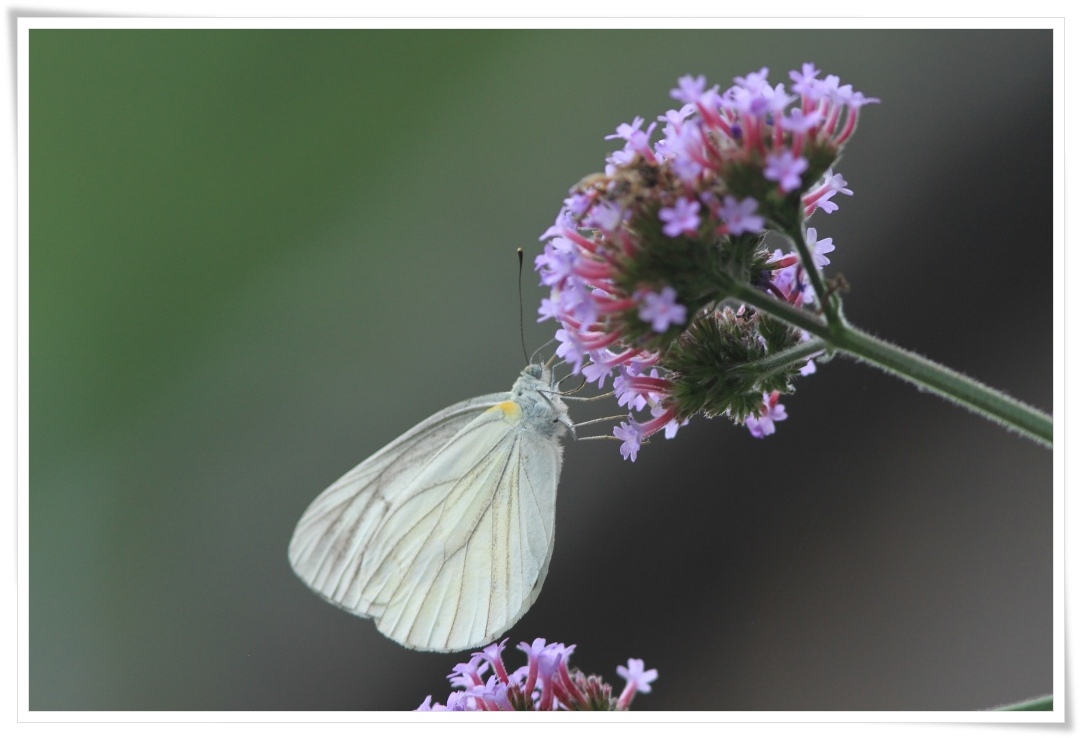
(444, 536)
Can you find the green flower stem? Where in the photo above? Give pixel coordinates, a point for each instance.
(943, 381)
(1038, 703)
(782, 360)
(742, 292)
(832, 312)
(841, 337)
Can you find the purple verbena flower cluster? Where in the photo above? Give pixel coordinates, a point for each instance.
(641, 258)
(545, 682)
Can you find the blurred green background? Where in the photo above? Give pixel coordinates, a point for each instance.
(257, 256)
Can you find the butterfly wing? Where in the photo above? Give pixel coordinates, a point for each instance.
(335, 530)
(475, 538)
(444, 536)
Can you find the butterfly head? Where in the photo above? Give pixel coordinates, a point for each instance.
(542, 407)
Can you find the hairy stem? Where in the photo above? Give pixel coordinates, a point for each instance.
(840, 336)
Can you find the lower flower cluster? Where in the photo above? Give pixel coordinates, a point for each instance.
(545, 682)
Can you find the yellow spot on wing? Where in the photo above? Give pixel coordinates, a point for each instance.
(509, 408)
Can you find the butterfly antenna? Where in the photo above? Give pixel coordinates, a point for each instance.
(521, 306)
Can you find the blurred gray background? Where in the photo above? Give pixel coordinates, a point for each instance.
(257, 256)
